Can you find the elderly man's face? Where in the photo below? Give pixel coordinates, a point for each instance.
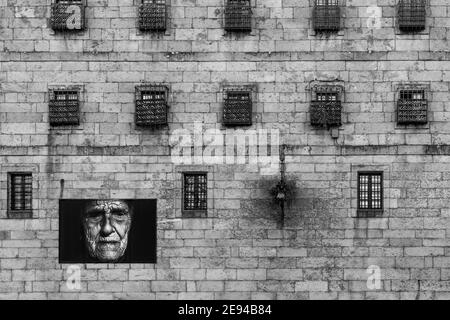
(106, 225)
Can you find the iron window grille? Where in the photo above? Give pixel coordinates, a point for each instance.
(68, 15)
(20, 195)
(411, 15)
(153, 15)
(412, 107)
(195, 192)
(326, 107)
(370, 193)
(64, 107)
(327, 16)
(237, 108)
(238, 16)
(151, 105)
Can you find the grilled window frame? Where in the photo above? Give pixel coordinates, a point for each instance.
(238, 16)
(153, 15)
(25, 209)
(412, 15)
(411, 110)
(152, 112)
(326, 106)
(237, 112)
(327, 16)
(58, 19)
(199, 192)
(64, 112)
(370, 210)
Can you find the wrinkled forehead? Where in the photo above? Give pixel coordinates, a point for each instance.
(107, 206)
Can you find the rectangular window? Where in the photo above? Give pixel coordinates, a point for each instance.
(327, 16)
(153, 15)
(64, 107)
(411, 15)
(370, 194)
(237, 108)
(151, 105)
(195, 192)
(68, 15)
(326, 106)
(238, 16)
(20, 195)
(412, 107)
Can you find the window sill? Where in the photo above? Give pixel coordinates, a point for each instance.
(369, 213)
(26, 214)
(194, 214)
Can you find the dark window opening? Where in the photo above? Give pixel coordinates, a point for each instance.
(327, 16)
(411, 15)
(370, 193)
(151, 105)
(238, 16)
(237, 108)
(153, 15)
(195, 192)
(68, 15)
(64, 107)
(326, 107)
(20, 195)
(412, 107)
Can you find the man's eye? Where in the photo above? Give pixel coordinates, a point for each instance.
(94, 214)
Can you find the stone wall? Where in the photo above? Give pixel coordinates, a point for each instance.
(240, 250)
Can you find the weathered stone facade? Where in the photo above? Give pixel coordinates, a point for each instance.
(239, 251)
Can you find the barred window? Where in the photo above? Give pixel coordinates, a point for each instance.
(64, 107)
(411, 15)
(326, 16)
(238, 16)
(20, 194)
(68, 15)
(151, 105)
(370, 193)
(153, 15)
(412, 107)
(326, 107)
(237, 107)
(195, 191)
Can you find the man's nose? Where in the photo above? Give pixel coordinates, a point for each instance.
(107, 228)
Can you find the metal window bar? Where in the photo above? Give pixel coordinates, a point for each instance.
(62, 19)
(370, 191)
(238, 16)
(151, 106)
(327, 16)
(237, 108)
(195, 191)
(64, 107)
(153, 15)
(326, 108)
(21, 192)
(412, 107)
(411, 15)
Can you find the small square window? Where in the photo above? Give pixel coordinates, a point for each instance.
(370, 194)
(237, 108)
(411, 15)
(151, 105)
(67, 15)
(327, 16)
(64, 107)
(412, 107)
(326, 107)
(153, 15)
(238, 16)
(20, 195)
(195, 192)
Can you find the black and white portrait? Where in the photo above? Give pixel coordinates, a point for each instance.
(107, 231)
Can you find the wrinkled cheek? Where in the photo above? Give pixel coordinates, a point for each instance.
(122, 229)
(91, 232)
